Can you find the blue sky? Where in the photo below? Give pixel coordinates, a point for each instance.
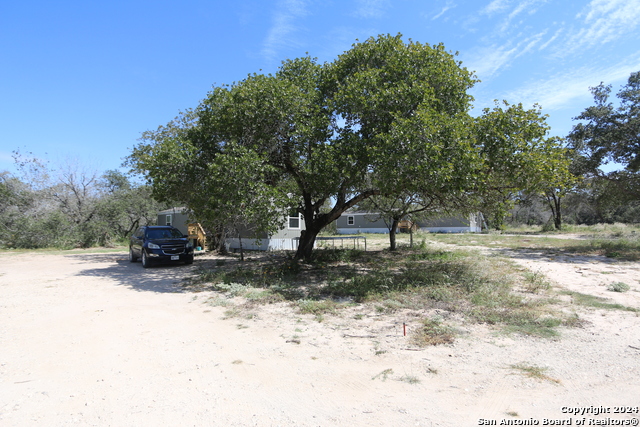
(82, 79)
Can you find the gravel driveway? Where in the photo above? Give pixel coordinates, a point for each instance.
(90, 339)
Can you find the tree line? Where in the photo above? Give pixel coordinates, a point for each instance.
(604, 162)
(385, 127)
(69, 206)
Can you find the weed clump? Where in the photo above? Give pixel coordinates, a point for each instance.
(619, 287)
(535, 372)
(432, 332)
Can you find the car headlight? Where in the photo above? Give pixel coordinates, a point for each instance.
(189, 245)
(153, 246)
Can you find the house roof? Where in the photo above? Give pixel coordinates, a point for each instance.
(173, 211)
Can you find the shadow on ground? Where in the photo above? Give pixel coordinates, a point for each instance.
(555, 256)
(116, 266)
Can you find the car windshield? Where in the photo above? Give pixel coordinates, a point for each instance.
(163, 233)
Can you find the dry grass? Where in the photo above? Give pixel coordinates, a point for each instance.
(432, 332)
(535, 372)
(383, 375)
(611, 240)
(474, 287)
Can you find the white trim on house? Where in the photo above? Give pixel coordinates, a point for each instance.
(295, 219)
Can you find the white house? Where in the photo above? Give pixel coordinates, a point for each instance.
(367, 222)
(286, 238)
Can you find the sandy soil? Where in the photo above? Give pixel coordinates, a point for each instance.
(90, 339)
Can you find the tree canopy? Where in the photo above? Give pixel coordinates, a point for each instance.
(384, 118)
(70, 206)
(611, 133)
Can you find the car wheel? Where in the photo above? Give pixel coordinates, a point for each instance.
(189, 261)
(132, 257)
(145, 260)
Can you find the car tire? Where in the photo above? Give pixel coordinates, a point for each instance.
(132, 257)
(146, 263)
(189, 260)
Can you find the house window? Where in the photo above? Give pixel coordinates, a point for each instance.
(351, 220)
(169, 220)
(294, 219)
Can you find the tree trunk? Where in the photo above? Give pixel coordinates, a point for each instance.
(411, 235)
(557, 219)
(241, 250)
(555, 203)
(315, 222)
(218, 242)
(392, 234)
(305, 244)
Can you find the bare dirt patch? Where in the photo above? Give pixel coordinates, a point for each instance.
(90, 339)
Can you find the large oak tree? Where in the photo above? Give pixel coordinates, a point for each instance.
(385, 118)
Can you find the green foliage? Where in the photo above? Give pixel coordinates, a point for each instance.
(336, 255)
(231, 289)
(385, 118)
(73, 208)
(535, 372)
(317, 307)
(619, 287)
(597, 302)
(536, 282)
(518, 156)
(610, 133)
(383, 375)
(480, 289)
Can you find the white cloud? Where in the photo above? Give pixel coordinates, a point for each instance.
(495, 6)
(284, 26)
(561, 90)
(370, 8)
(606, 21)
(528, 6)
(551, 40)
(490, 60)
(447, 6)
(512, 10)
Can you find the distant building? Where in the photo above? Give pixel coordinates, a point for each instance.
(361, 222)
(177, 217)
(367, 222)
(286, 238)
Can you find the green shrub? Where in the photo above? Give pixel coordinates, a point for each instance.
(619, 287)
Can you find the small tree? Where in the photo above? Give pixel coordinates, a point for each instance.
(393, 210)
(123, 206)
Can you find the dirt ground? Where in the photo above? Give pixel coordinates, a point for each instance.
(90, 339)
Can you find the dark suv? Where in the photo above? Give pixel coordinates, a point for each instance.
(160, 243)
